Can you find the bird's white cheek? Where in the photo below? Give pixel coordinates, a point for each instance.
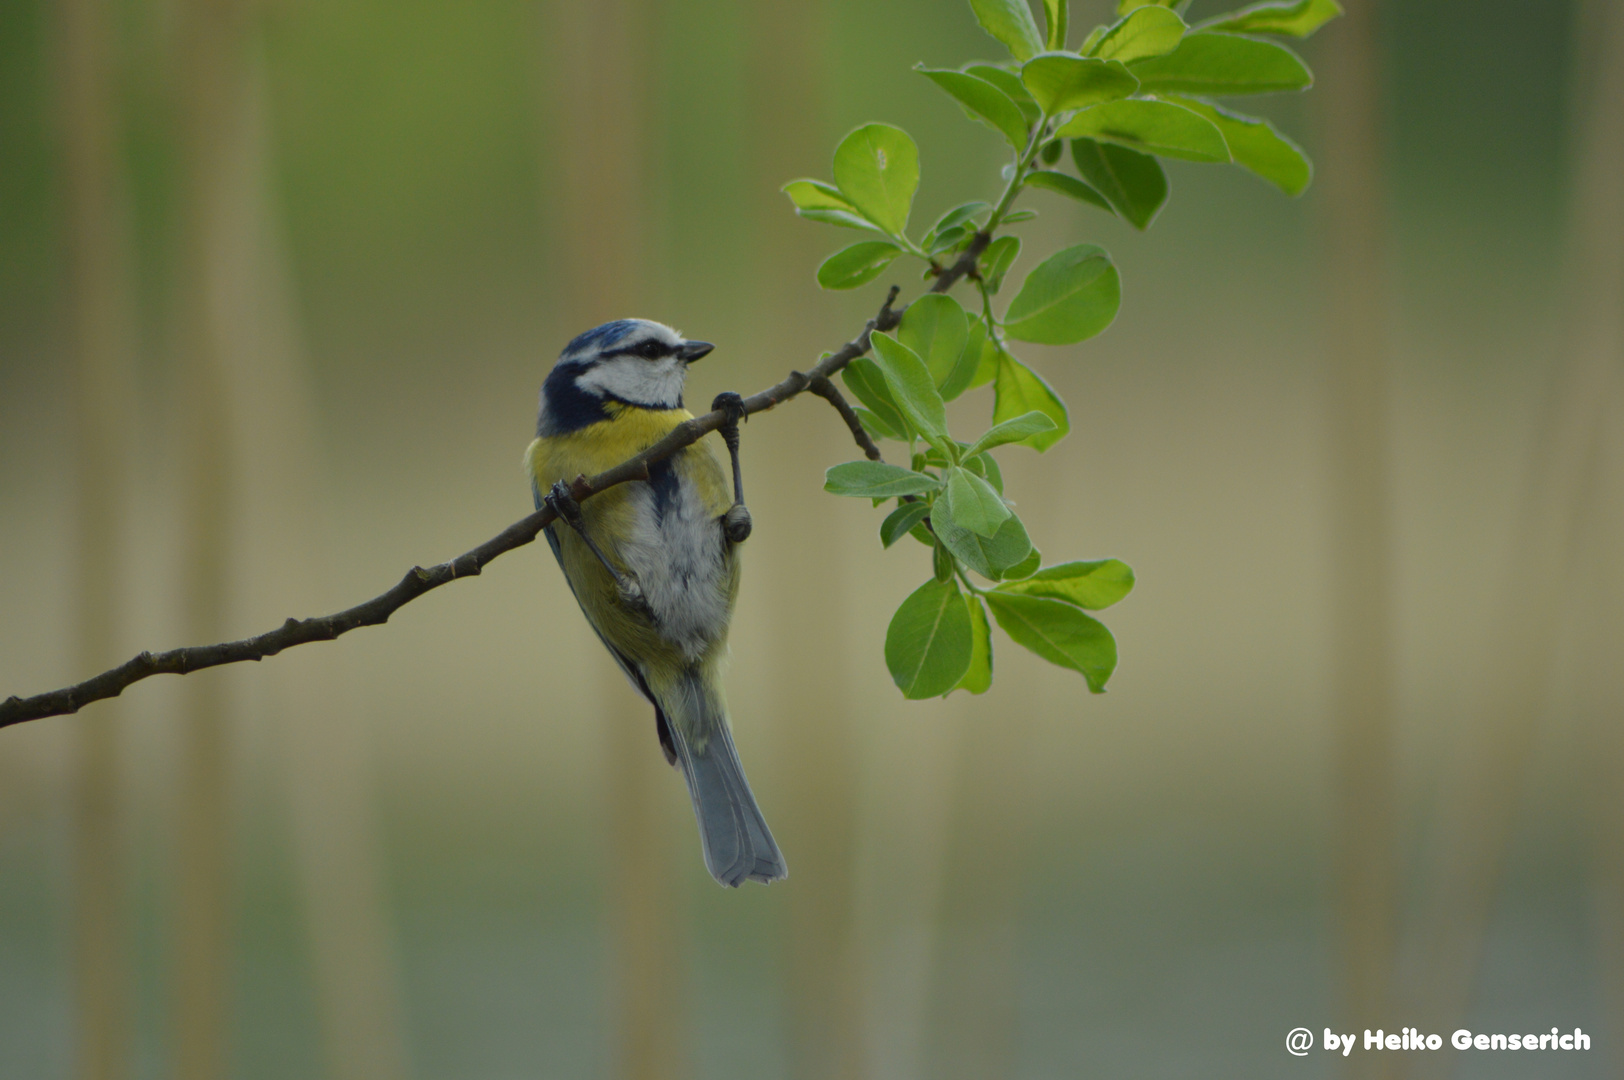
(670, 372)
(657, 384)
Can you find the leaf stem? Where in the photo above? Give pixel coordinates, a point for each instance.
(1023, 163)
(992, 323)
(958, 568)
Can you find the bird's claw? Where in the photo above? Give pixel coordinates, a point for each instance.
(732, 404)
(736, 524)
(564, 504)
(631, 595)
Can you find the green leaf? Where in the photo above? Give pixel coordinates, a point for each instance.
(1025, 568)
(935, 328)
(1054, 12)
(986, 466)
(1299, 19)
(963, 214)
(1069, 186)
(978, 679)
(816, 195)
(1059, 633)
(987, 365)
(983, 101)
(1015, 430)
(1010, 22)
(987, 556)
(1213, 63)
(1254, 144)
(875, 426)
(911, 386)
(902, 521)
(877, 168)
(950, 240)
(1152, 127)
(973, 503)
(1069, 297)
(928, 644)
(844, 218)
(864, 378)
(1051, 151)
(1093, 585)
(817, 201)
(857, 265)
(1019, 391)
(1010, 83)
(1144, 32)
(876, 480)
(958, 380)
(1060, 82)
(997, 259)
(1132, 182)
(1019, 215)
(1125, 6)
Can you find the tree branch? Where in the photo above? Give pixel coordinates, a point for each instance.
(374, 612)
(829, 392)
(964, 264)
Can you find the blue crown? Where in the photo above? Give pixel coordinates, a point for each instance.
(601, 337)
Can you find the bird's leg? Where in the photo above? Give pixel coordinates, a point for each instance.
(565, 506)
(736, 523)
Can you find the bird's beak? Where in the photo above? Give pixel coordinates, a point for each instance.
(694, 350)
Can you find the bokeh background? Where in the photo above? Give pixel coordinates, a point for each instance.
(278, 285)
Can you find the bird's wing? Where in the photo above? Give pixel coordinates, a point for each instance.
(621, 658)
(662, 726)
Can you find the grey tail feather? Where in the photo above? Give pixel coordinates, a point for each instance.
(737, 844)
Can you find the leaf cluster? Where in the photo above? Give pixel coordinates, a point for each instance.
(1132, 92)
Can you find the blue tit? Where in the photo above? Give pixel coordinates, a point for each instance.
(655, 564)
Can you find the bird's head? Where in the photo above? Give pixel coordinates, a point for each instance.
(635, 362)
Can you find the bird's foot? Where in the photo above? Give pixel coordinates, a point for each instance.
(732, 404)
(565, 506)
(736, 524)
(631, 596)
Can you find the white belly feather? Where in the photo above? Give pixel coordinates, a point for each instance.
(678, 554)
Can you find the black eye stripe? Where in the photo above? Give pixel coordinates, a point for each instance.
(646, 350)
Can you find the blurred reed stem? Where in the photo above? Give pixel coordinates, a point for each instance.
(604, 139)
(100, 343)
(1352, 190)
(210, 85)
(973, 1024)
(325, 771)
(1596, 87)
(1598, 637)
(1597, 92)
(812, 804)
(1484, 781)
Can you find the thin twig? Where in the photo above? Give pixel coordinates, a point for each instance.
(829, 392)
(17, 710)
(965, 264)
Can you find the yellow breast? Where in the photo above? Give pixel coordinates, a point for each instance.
(600, 446)
(603, 445)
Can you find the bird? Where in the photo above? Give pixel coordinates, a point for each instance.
(654, 564)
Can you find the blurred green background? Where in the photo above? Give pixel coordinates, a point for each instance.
(451, 849)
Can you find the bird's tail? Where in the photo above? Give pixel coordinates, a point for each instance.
(733, 834)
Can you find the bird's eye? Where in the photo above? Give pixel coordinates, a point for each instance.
(651, 350)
